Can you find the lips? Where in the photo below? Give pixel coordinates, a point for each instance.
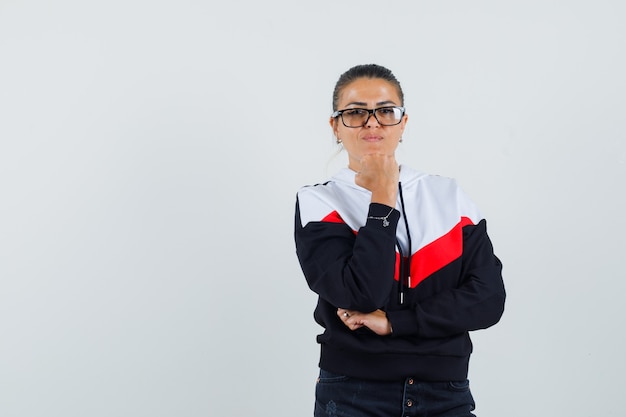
(372, 138)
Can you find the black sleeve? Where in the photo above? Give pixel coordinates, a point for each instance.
(477, 303)
(347, 269)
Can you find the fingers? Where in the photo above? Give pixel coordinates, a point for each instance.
(344, 314)
(350, 318)
(376, 321)
(379, 174)
(377, 158)
(377, 164)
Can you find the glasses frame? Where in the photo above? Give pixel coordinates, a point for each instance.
(370, 112)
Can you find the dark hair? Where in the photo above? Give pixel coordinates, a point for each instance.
(365, 71)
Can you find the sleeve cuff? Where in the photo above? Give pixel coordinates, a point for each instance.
(382, 215)
(403, 322)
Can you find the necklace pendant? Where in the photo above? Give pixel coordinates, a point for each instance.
(385, 222)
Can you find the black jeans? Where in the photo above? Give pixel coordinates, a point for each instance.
(343, 396)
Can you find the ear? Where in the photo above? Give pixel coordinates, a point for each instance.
(334, 125)
(405, 119)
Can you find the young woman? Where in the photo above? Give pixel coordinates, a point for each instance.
(402, 264)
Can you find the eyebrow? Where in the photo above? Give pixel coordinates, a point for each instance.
(361, 103)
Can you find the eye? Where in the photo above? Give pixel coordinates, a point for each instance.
(355, 112)
(386, 111)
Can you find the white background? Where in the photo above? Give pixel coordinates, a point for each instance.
(150, 152)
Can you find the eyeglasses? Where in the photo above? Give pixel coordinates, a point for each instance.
(386, 116)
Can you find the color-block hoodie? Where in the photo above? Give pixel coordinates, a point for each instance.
(354, 255)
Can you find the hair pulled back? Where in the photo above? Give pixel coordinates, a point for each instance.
(365, 71)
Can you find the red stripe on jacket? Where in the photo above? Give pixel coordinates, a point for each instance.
(333, 217)
(437, 254)
(432, 257)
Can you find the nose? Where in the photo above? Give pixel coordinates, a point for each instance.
(371, 121)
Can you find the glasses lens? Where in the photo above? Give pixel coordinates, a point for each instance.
(354, 117)
(388, 116)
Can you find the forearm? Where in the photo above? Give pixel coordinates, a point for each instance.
(468, 308)
(476, 302)
(350, 270)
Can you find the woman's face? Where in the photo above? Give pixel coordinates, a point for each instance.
(368, 93)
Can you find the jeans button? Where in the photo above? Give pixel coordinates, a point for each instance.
(409, 403)
(411, 381)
